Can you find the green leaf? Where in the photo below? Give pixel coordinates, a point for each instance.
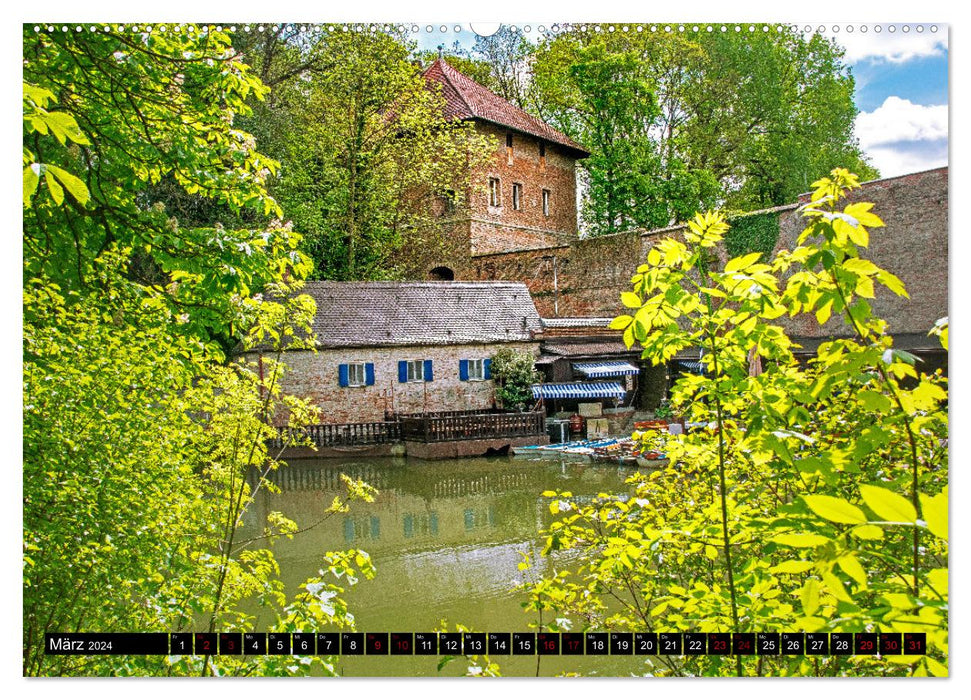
(630, 300)
(851, 565)
(938, 578)
(621, 322)
(800, 540)
(792, 567)
(888, 505)
(809, 623)
(867, 532)
(860, 266)
(740, 263)
(809, 597)
(57, 192)
(893, 283)
(874, 400)
(72, 184)
(835, 587)
(835, 510)
(861, 212)
(934, 510)
(31, 180)
(823, 312)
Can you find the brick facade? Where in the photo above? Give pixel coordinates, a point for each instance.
(314, 376)
(524, 198)
(504, 226)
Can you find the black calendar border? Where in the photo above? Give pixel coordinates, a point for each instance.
(352, 643)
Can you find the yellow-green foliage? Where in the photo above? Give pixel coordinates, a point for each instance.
(143, 446)
(816, 500)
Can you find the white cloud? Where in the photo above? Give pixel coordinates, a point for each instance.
(892, 47)
(899, 119)
(902, 137)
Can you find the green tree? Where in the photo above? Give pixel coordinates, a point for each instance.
(604, 95)
(771, 110)
(737, 119)
(514, 373)
(142, 445)
(118, 113)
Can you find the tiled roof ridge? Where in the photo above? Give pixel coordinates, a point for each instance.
(463, 85)
(446, 70)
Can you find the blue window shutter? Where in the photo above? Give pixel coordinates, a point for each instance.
(428, 371)
(369, 374)
(342, 375)
(487, 369)
(464, 370)
(403, 371)
(348, 530)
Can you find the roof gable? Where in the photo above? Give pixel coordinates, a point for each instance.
(466, 99)
(363, 314)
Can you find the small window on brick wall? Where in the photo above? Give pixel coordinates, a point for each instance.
(495, 198)
(475, 370)
(546, 202)
(509, 149)
(542, 156)
(414, 371)
(355, 374)
(517, 196)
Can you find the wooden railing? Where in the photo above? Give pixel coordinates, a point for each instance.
(339, 434)
(471, 426)
(422, 427)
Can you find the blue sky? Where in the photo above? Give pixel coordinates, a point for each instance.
(901, 87)
(902, 93)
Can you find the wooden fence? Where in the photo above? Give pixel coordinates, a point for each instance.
(441, 426)
(472, 426)
(340, 434)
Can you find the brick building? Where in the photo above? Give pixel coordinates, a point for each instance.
(408, 347)
(527, 196)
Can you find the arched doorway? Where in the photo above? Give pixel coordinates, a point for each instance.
(442, 273)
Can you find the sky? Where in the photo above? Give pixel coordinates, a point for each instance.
(901, 78)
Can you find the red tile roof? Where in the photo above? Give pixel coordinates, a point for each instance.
(466, 99)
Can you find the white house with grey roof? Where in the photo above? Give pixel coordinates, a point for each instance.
(408, 347)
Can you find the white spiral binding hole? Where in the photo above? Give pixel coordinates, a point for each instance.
(453, 29)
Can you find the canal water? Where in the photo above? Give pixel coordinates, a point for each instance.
(446, 539)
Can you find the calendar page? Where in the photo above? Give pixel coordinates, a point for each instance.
(438, 349)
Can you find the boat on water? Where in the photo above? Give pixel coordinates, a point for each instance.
(652, 463)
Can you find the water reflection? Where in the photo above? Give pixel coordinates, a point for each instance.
(445, 537)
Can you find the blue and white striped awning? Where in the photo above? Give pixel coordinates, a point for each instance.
(615, 368)
(690, 366)
(587, 390)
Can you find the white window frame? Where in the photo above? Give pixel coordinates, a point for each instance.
(416, 370)
(477, 370)
(546, 202)
(517, 196)
(495, 192)
(356, 368)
